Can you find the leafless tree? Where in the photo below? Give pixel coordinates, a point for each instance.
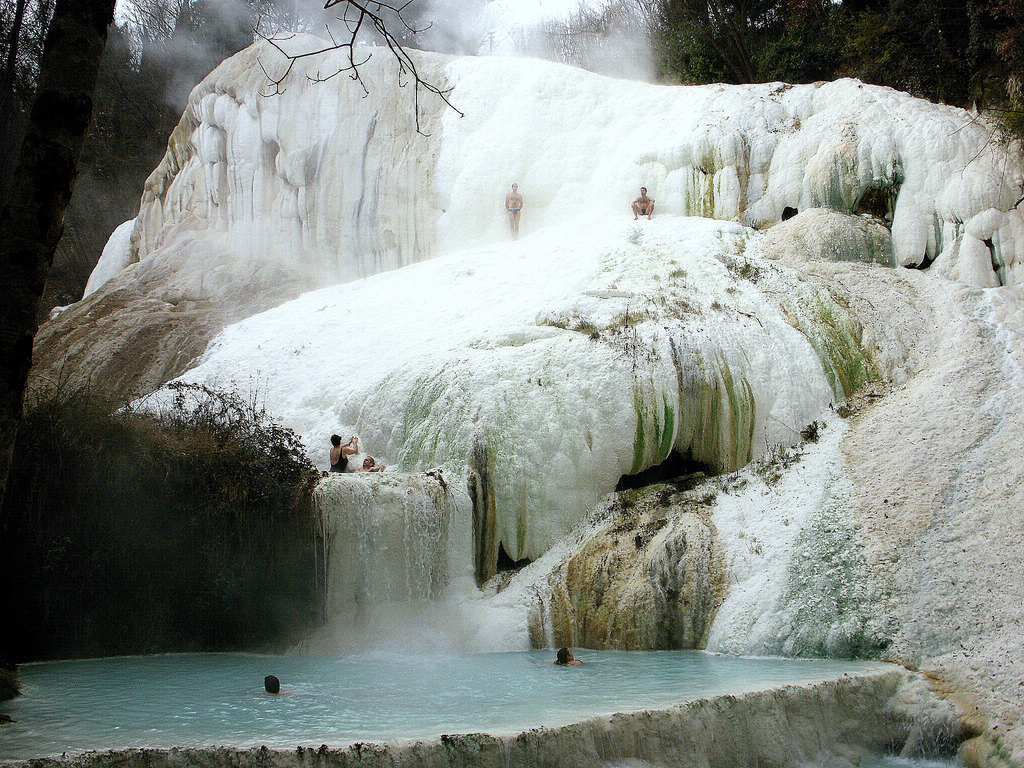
(613, 38)
(362, 19)
(24, 24)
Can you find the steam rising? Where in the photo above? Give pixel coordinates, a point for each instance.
(606, 36)
(610, 37)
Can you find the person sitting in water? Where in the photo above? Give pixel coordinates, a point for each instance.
(643, 205)
(369, 465)
(271, 684)
(340, 453)
(564, 658)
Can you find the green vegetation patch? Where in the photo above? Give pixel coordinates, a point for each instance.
(421, 434)
(741, 403)
(836, 337)
(639, 439)
(668, 431)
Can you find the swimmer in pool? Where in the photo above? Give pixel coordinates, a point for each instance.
(370, 465)
(564, 658)
(514, 206)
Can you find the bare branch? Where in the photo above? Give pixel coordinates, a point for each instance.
(360, 15)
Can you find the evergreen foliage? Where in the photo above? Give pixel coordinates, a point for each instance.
(933, 50)
(718, 40)
(965, 53)
(1005, 21)
(128, 532)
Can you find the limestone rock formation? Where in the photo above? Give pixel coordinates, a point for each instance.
(263, 194)
(544, 370)
(650, 579)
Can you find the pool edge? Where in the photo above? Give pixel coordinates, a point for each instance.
(835, 720)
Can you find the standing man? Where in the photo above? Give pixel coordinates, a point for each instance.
(514, 205)
(643, 205)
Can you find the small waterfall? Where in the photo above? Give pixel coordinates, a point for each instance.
(387, 538)
(389, 555)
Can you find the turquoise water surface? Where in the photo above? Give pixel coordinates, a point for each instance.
(206, 700)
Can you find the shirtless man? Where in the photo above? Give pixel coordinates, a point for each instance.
(643, 205)
(370, 465)
(514, 206)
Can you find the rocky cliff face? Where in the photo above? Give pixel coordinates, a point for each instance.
(9, 687)
(651, 578)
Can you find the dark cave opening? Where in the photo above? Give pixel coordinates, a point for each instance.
(506, 563)
(678, 468)
(788, 213)
(926, 261)
(878, 202)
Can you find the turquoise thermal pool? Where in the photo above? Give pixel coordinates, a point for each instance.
(207, 700)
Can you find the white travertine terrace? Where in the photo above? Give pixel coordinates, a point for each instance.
(336, 183)
(540, 371)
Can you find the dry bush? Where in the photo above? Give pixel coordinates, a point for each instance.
(129, 532)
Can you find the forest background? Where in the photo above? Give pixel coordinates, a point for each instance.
(965, 53)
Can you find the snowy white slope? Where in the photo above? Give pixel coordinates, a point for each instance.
(334, 183)
(902, 528)
(115, 257)
(552, 366)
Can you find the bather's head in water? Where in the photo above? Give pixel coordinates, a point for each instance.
(371, 465)
(564, 658)
(271, 684)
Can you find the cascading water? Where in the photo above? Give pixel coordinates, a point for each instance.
(391, 556)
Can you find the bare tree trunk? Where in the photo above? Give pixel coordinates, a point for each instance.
(7, 81)
(8, 100)
(33, 218)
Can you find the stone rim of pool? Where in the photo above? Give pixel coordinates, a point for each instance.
(857, 708)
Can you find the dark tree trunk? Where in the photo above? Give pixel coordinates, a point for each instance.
(7, 80)
(33, 218)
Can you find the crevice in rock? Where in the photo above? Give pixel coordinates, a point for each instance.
(680, 469)
(995, 264)
(788, 213)
(481, 492)
(506, 563)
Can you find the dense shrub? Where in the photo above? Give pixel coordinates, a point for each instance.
(132, 532)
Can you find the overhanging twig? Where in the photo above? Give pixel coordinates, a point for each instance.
(357, 16)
